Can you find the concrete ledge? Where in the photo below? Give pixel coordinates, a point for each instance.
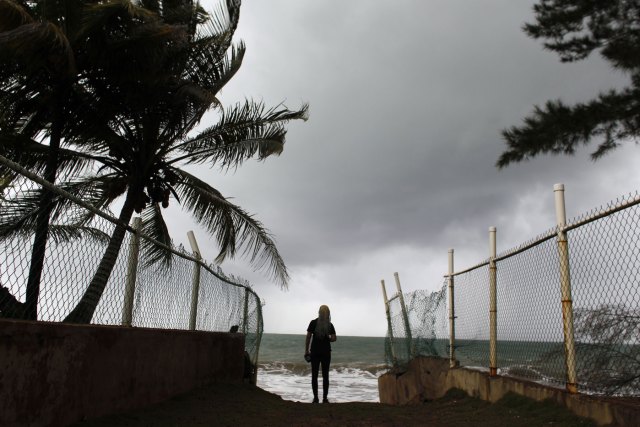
(55, 374)
(428, 378)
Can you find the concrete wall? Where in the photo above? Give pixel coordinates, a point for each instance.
(53, 374)
(428, 378)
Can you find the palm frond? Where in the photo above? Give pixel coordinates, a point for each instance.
(12, 16)
(93, 131)
(153, 225)
(211, 71)
(203, 77)
(19, 214)
(131, 45)
(20, 211)
(103, 14)
(65, 233)
(202, 74)
(221, 24)
(36, 46)
(6, 181)
(241, 133)
(232, 227)
(26, 97)
(33, 155)
(98, 191)
(25, 215)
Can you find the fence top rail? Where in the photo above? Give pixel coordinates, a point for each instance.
(475, 267)
(547, 235)
(53, 188)
(551, 233)
(612, 207)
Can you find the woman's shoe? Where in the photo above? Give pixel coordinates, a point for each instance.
(315, 400)
(325, 400)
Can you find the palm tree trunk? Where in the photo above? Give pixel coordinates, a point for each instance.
(83, 312)
(42, 222)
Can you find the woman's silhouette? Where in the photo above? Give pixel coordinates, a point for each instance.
(323, 334)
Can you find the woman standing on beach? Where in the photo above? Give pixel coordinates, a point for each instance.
(323, 333)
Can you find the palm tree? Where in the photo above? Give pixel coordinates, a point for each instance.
(19, 29)
(143, 149)
(45, 59)
(141, 106)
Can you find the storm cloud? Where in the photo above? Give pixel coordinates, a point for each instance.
(396, 162)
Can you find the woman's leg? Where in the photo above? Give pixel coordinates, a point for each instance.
(315, 365)
(326, 361)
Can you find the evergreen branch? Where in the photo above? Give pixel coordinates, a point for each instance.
(559, 129)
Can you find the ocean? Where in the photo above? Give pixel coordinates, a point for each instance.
(356, 364)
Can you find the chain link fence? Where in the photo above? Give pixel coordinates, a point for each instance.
(566, 304)
(160, 294)
(424, 331)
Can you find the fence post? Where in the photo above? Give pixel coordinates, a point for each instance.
(132, 270)
(245, 314)
(259, 330)
(405, 317)
(565, 290)
(195, 290)
(452, 317)
(493, 306)
(389, 325)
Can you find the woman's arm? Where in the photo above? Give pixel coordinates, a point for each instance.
(333, 337)
(306, 343)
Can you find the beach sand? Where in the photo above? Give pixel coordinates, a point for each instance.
(240, 405)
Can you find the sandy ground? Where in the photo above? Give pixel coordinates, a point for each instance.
(241, 405)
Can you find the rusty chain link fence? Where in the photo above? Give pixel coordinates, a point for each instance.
(138, 293)
(566, 304)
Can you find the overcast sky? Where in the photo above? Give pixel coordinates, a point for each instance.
(396, 162)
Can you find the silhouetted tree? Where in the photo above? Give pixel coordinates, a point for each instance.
(574, 29)
(145, 148)
(141, 145)
(44, 64)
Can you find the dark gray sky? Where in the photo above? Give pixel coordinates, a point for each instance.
(396, 163)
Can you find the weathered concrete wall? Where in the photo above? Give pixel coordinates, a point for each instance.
(428, 378)
(53, 374)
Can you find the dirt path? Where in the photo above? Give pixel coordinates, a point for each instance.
(240, 405)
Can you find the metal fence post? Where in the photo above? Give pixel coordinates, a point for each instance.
(389, 325)
(565, 290)
(245, 314)
(452, 317)
(195, 290)
(493, 310)
(132, 270)
(259, 330)
(405, 317)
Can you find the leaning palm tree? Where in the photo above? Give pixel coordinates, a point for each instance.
(143, 149)
(44, 62)
(24, 84)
